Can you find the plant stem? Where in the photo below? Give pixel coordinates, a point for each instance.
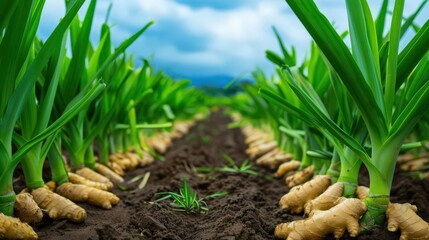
(89, 157)
(7, 195)
(349, 174)
(103, 150)
(33, 170)
(56, 162)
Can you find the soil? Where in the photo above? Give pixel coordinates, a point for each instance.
(249, 211)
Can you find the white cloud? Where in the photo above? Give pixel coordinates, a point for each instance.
(230, 41)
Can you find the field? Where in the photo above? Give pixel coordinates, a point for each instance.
(96, 143)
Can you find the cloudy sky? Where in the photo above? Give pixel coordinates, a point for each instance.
(198, 38)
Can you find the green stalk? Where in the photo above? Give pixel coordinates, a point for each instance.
(56, 162)
(7, 195)
(104, 150)
(89, 157)
(349, 174)
(335, 167)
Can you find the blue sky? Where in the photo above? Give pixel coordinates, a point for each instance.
(197, 38)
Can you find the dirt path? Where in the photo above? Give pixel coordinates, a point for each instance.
(249, 211)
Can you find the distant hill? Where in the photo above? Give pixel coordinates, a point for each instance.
(204, 81)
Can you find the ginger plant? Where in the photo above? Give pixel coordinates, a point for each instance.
(187, 200)
(21, 68)
(372, 81)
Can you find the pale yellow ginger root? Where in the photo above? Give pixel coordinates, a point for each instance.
(26, 209)
(136, 159)
(258, 142)
(268, 155)
(77, 179)
(116, 168)
(147, 159)
(407, 157)
(93, 176)
(300, 177)
(414, 165)
(261, 149)
(362, 192)
(182, 127)
(404, 218)
(255, 137)
(13, 228)
(121, 161)
(82, 193)
(57, 206)
(274, 159)
(158, 143)
(287, 167)
(326, 200)
(108, 173)
(295, 200)
(344, 216)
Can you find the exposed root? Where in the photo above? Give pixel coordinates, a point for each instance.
(415, 165)
(13, 228)
(276, 158)
(300, 177)
(26, 209)
(106, 172)
(326, 200)
(124, 162)
(261, 149)
(116, 168)
(287, 167)
(77, 179)
(258, 142)
(159, 143)
(344, 216)
(404, 218)
(295, 200)
(362, 192)
(57, 206)
(82, 193)
(146, 160)
(93, 176)
(255, 137)
(407, 157)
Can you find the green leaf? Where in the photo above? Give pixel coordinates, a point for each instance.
(412, 53)
(83, 99)
(344, 64)
(381, 19)
(21, 93)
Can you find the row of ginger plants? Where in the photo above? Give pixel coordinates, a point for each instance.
(317, 122)
(94, 106)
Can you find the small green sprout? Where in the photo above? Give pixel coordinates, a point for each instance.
(232, 167)
(244, 168)
(187, 201)
(205, 139)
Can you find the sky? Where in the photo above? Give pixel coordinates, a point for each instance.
(208, 38)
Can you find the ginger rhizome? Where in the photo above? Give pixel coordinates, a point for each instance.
(108, 173)
(77, 179)
(13, 228)
(295, 200)
(300, 177)
(274, 158)
(93, 176)
(286, 168)
(82, 193)
(404, 218)
(26, 209)
(326, 200)
(343, 216)
(57, 206)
